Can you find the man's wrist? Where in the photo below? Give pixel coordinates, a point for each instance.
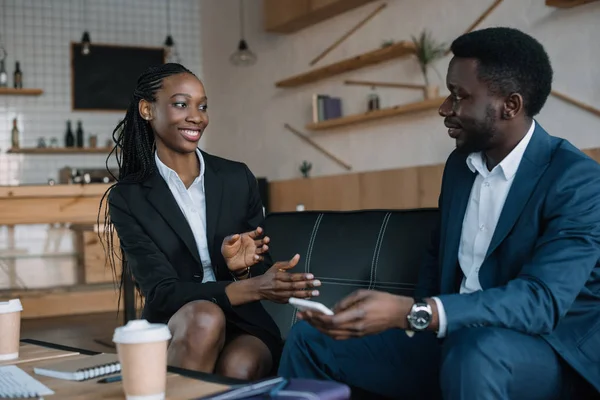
(434, 325)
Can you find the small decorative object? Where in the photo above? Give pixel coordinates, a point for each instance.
(373, 101)
(387, 43)
(299, 207)
(51, 182)
(41, 143)
(53, 142)
(428, 51)
(109, 143)
(305, 168)
(93, 141)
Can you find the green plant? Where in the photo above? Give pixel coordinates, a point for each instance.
(387, 43)
(427, 51)
(305, 168)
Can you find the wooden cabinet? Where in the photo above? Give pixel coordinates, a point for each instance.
(287, 16)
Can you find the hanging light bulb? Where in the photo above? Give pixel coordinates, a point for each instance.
(86, 43)
(243, 56)
(171, 52)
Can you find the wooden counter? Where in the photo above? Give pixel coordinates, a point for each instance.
(44, 204)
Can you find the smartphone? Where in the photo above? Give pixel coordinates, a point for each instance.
(305, 305)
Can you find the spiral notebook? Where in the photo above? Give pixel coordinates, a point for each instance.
(82, 369)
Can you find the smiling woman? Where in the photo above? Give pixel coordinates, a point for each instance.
(189, 229)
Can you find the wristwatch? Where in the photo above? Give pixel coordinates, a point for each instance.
(420, 316)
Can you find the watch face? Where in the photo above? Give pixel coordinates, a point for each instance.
(420, 316)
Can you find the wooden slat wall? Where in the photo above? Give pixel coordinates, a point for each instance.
(415, 187)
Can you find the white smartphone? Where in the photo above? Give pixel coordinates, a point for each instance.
(305, 305)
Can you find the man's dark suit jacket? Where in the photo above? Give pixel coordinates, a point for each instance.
(541, 274)
(161, 252)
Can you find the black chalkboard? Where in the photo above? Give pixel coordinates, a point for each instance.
(104, 79)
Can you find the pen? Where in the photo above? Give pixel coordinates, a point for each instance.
(110, 379)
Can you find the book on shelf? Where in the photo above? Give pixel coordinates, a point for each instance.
(325, 107)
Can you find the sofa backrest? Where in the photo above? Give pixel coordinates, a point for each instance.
(349, 250)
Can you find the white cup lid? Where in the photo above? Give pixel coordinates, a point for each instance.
(141, 331)
(10, 306)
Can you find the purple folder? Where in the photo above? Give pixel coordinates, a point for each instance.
(294, 389)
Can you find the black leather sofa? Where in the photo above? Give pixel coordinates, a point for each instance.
(349, 250)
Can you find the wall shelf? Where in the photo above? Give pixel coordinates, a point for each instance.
(377, 114)
(567, 3)
(21, 92)
(61, 150)
(396, 50)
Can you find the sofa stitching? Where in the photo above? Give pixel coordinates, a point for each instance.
(375, 254)
(386, 221)
(311, 242)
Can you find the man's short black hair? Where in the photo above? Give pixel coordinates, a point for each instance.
(509, 61)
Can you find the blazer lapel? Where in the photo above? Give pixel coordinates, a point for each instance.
(213, 190)
(461, 191)
(161, 198)
(532, 166)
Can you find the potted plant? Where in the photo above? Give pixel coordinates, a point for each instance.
(428, 51)
(305, 168)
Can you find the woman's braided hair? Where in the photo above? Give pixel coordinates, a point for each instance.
(134, 153)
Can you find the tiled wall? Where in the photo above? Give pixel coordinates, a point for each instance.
(38, 33)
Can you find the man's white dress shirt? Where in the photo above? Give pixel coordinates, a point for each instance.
(486, 201)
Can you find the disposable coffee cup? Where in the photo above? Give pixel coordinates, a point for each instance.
(10, 329)
(142, 350)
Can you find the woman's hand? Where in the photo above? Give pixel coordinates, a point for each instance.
(242, 251)
(278, 285)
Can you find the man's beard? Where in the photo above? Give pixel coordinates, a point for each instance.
(478, 135)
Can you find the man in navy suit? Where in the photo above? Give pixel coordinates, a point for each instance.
(508, 303)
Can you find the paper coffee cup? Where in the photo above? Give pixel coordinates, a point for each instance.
(142, 350)
(10, 329)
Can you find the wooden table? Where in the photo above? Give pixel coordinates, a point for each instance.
(40, 354)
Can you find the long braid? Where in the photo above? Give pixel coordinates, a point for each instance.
(134, 153)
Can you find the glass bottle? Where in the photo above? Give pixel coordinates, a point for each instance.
(14, 135)
(69, 137)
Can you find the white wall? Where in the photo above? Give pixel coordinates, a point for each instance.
(38, 33)
(247, 112)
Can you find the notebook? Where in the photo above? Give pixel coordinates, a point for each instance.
(280, 388)
(82, 369)
(16, 383)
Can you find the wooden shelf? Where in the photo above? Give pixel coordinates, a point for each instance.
(61, 150)
(567, 3)
(287, 16)
(21, 92)
(396, 50)
(377, 114)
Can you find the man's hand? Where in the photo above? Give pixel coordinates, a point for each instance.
(364, 312)
(242, 251)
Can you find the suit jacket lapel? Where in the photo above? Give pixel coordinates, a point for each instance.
(161, 198)
(213, 190)
(461, 189)
(532, 166)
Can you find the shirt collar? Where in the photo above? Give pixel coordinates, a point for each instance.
(509, 165)
(168, 173)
